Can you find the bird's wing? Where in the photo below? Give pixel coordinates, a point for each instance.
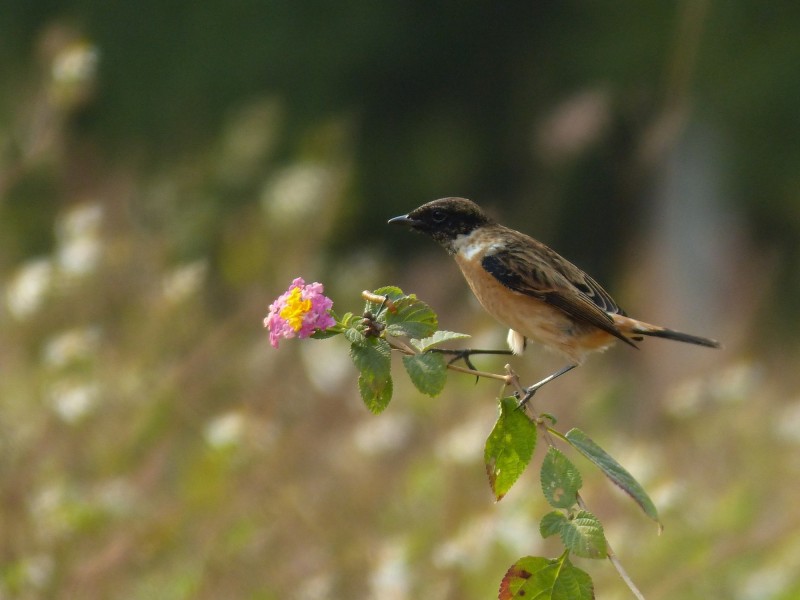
(532, 268)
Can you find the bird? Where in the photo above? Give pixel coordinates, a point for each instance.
(530, 288)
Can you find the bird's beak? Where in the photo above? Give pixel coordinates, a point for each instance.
(403, 220)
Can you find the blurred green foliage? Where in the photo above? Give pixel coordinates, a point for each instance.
(167, 169)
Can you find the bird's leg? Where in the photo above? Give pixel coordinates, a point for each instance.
(531, 390)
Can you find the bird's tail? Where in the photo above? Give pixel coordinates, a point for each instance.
(636, 329)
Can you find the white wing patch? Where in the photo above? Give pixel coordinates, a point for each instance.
(516, 341)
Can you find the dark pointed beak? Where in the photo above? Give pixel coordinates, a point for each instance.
(403, 220)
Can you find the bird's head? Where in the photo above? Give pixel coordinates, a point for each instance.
(445, 219)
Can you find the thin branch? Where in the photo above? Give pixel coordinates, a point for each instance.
(547, 433)
(476, 373)
(512, 379)
(466, 353)
(401, 346)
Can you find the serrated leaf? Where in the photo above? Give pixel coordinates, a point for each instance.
(354, 336)
(428, 372)
(437, 338)
(375, 392)
(582, 534)
(537, 578)
(552, 523)
(372, 355)
(613, 470)
(373, 358)
(572, 583)
(509, 447)
(411, 318)
(561, 480)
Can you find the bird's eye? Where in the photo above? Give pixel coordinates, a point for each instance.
(439, 216)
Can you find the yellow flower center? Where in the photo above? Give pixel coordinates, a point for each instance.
(295, 309)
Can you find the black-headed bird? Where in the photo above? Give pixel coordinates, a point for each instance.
(530, 288)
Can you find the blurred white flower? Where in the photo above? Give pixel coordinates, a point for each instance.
(469, 546)
(73, 72)
(771, 581)
(327, 364)
(79, 256)
(295, 194)
(80, 220)
(731, 385)
(685, 399)
(75, 64)
(315, 586)
(115, 496)
(79, 242)
(375, 436)
(184, 281)
(464, 443)
(38, 570)
(29, 287)
(72, 400)
(49, 511)
(248, 138)
(71, 346)
(390, 579)
(787, 423)
(225, 430)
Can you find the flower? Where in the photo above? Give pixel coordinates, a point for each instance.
(300, 311)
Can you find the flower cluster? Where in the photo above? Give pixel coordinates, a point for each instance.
(299, 312)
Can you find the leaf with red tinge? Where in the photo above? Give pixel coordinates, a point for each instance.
(517, 574)
(537, 578)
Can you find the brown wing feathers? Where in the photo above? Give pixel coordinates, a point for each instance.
(531, 268)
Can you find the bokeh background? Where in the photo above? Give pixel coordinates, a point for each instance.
(167, 169)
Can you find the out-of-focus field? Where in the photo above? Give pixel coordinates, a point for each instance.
(158, 189)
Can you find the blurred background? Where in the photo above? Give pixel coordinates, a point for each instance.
(166, 170)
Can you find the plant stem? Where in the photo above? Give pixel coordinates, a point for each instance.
(547, 434)
(401, 346)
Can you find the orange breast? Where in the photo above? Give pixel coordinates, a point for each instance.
(533, 318)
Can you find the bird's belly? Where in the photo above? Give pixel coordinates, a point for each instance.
(536, 320)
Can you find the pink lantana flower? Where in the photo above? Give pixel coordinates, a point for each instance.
(299, 312)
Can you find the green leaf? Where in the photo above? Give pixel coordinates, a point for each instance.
(376, 393)
(347, 319)
(405, 316)
(324, 334)
(437, 338)
(428, 372)
(582, 533)
(372, 357)
(613, 470)
(411, 318)
(509, 447)
(354, 336)
(560, 480)
(537, 578)
(552, 523)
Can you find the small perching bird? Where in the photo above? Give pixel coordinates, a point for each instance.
(530, 288)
